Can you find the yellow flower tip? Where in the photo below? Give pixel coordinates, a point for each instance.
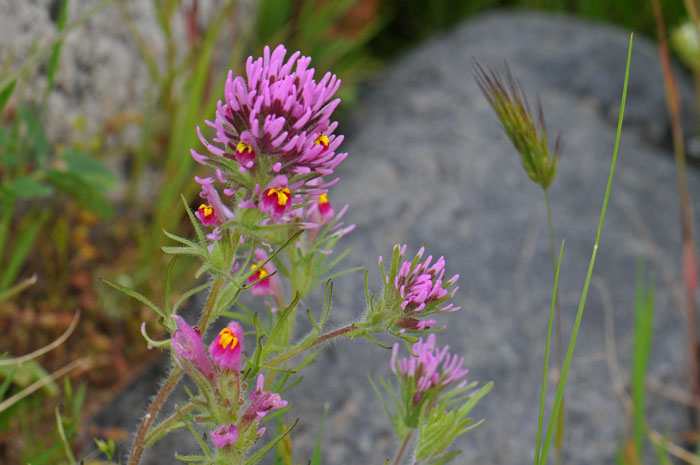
(262, 272)
(242, 147)
(227, 339)
(323, 140)
(206, 210)
(323, 199)
(282, 195)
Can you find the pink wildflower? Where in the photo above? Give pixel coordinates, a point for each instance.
(321, 211)
(419, 289)
(225, 349)
(431, 368)
(206, 215)
(216, 213)
(224, 435)
(278, 111)
(262, 402)
(269, 283)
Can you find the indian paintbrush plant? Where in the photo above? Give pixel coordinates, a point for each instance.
(266, 227)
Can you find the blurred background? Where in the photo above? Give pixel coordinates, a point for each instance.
(99, 102)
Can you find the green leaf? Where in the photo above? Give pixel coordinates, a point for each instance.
(38, 143)
(6, 92)
(87, 196)
(28, 231)
(56, 52)
(106, 447)
(8, 380)
(90, 169)
(26, 374)
(27, 187)
(136, 295)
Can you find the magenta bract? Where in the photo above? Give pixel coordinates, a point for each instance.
(187, 344)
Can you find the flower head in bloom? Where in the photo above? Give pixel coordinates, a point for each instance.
(417, 288)
(187, 344)
(262, 402)
(225, 349)
(431, 368)
(224, 435)
(278, 111)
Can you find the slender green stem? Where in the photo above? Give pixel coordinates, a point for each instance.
(559, 441)
(540, 420)
(402, 449)
(300, 349)
(557, 312)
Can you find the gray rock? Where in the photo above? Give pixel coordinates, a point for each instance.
(429, 163)
(102, 76)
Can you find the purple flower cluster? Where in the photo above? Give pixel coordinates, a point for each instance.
(274, 127)
(419, 288)
(431, 368)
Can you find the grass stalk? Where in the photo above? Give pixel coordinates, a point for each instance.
(582, 302)
(561, 418)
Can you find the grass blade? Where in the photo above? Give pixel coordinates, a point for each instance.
(28, 231)
(56, 51)
(316, 457)
(584, 294)
(540, 419)
(6, 92)
(643, 331)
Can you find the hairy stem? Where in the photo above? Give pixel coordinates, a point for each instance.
(319, 340)
(209, 307)
(402, 449)
(139, 443)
